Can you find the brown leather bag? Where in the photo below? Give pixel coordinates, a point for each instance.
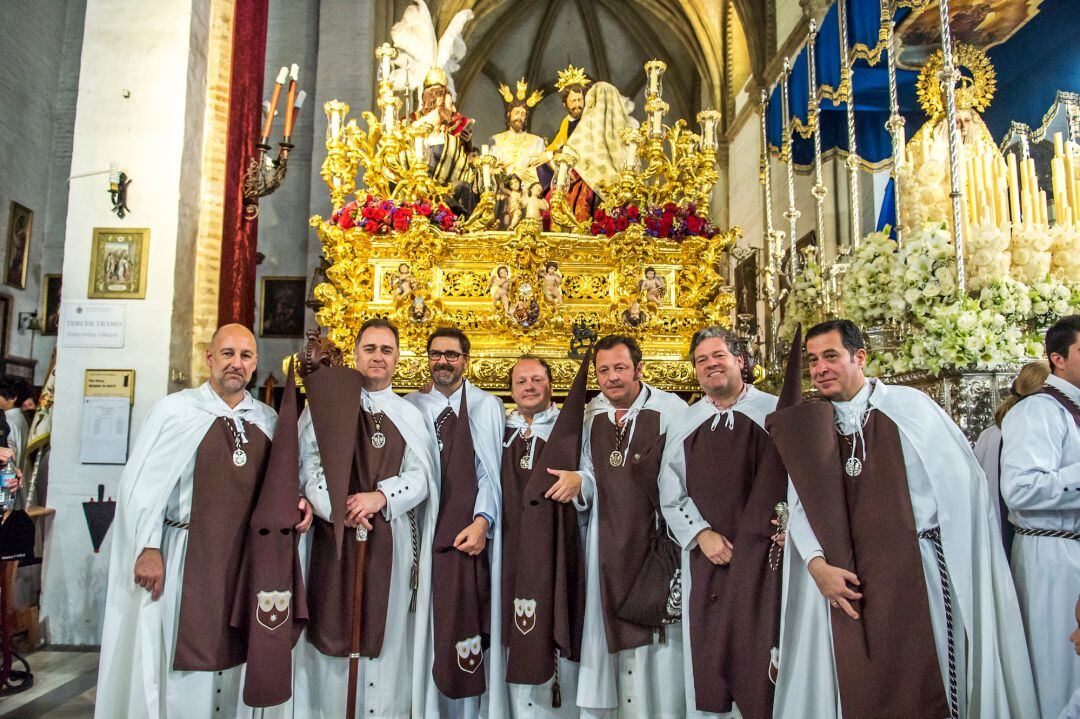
(656, 598)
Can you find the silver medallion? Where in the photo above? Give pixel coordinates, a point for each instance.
(378, 440)
(440, 445)
(853, 467)
(615, 458)
(239, 458)
(525, 462)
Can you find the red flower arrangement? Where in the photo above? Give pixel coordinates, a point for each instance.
(377, 216)
(669, 222)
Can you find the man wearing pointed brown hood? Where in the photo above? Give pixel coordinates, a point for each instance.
(720, 481)
(183, 507)
(898, 599)
(366, 463)
(456, 671)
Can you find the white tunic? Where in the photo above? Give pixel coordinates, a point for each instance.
(384, 683)
(681, 513)
(138, 640)
(528, 701)
(1040, 481)
(948, 490)
(486, 421)
(644, 682)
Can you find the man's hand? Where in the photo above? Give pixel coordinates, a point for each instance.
(361, 506)
(566, 488)
(715, 546)
(150, 571)
(15, 482)
(305, 522)
(780, 537)
(6, 454)
(473, 538)
(833, 584)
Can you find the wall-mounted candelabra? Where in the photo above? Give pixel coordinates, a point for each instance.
(265, 174)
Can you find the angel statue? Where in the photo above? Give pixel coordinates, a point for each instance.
(425, 64)
(499, 288)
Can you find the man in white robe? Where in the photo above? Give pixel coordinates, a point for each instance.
(528, 428)
(442, 404)
(204, 432)
(712, 455)
(397, 504)
(971, 660)
(1040, 481)
(627, 669)
(11, 403)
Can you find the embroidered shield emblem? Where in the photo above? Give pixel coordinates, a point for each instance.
(470, 654)
(524, 614)
(273, 608)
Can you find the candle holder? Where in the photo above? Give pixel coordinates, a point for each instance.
(708, 121)
(483, 215)
(264, 176)
(654, 73)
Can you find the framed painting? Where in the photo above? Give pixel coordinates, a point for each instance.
(20, 222)
(50, 305)
(746, 291)
(281, 307)
(118, 263)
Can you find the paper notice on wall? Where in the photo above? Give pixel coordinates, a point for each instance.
(106, 422)
(92, 324)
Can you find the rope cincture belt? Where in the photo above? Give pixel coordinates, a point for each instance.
(1055, 533)
(934, 535)
(174, 523)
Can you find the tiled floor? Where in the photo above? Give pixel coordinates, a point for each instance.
(63, 687)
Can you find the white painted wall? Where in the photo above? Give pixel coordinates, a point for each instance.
(152, 50)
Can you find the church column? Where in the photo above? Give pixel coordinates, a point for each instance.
(141, 102)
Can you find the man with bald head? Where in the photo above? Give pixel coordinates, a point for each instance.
(183, 506)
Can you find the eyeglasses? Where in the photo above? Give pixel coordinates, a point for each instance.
(449, 355)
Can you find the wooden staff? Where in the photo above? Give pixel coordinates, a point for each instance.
(358, 595)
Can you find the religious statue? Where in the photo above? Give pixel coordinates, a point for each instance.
(519, 152)
(551, 283)
(571, 84)
(633, 315)
(534, 205)
(598, 146)
(526, 309)
(499, 287)
(512, 199)
(425, 63)
(404, 282)
(652, 287)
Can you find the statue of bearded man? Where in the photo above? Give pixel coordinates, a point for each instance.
(518, 151)
(449, 144)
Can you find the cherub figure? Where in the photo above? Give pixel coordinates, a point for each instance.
(551, 283)
(633, 316)
(534, 205)
(652, 287)
(513, 197)
(404, 282)
(499, 287)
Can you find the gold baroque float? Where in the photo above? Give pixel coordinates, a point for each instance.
(522, 290)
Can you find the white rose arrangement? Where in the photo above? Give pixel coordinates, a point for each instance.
(986, 255)
(1030, 251)
(1065, 253)
(806, 303)
(926, 269)
(870, 289)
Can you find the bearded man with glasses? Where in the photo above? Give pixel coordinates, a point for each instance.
(455, 673)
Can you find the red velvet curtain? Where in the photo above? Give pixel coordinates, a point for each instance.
(239, 236)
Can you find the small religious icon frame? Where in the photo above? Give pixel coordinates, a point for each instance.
(119, 260)
(281, 307)
(20, 225)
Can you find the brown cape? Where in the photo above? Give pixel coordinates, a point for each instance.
(550, 546)
(222, 501)
(461, 585)
(270, 603)
(886, 661)
(736, 479)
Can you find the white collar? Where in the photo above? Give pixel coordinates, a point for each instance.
(1065, 387)
(371, 399)
(514, 420)
(453, 401)
(728, 415)
(246, 404)
(850, 414)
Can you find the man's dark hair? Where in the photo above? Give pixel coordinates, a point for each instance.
(9, 389)
(454, 332)
(736, 345)
(565, 92)
(1058, 338)
(612, 341)
(850, 334)
(543, 363)
(377, 322)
